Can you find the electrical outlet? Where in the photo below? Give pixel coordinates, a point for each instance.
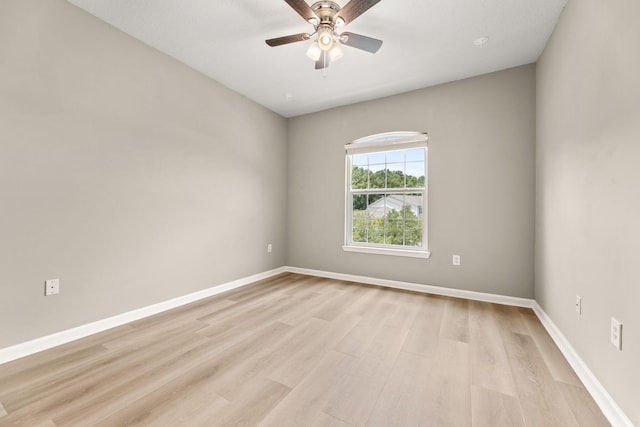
(616, 333)
(269, 248)
(51, 287)
(578, 305)
(456, 260)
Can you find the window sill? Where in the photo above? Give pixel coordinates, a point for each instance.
(386, 251)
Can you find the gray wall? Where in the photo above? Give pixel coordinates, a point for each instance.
(481, 183)
(588, 187)
(127, 175)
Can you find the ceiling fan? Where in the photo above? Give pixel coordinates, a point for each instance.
(326, 16)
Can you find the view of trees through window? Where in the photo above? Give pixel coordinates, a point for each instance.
(387, 197)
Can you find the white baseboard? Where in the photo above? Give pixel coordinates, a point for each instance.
(609, 407)
(427, 289)
(39, 344)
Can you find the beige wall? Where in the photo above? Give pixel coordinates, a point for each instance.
(127, 175)
(481, 183)
(588, 187)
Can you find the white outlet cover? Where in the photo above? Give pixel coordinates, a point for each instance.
(456, 260)
(578, 305)
(51, 287)
(616, 333)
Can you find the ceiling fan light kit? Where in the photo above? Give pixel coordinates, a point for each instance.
(326, 16)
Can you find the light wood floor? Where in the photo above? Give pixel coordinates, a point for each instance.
(304, 351)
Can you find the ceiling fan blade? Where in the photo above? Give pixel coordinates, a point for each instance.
(302, 8)
(355, 8)
(278, 41)
(323, 62)
(361, 42)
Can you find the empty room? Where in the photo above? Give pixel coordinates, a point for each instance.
(319, 213)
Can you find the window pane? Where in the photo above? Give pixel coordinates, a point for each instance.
(359, 160)
(359, 177)
(377, 176)
(415, 174)
(394, 231)
(415, 155)
(413, 232)
(377, 159)
(359, 231)
(376, 206)
(359, 203)
(395, 175)
(412, 206)
(396, 156)
(376, 231)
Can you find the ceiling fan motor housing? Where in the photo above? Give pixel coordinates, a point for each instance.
(326, 11)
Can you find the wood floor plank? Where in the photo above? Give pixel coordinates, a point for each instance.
(492, 409)
(250, 306)
(297, 365)
(305, 285)
(299, 312)
(94, 387)
(455, 320)
(304, 405)
(200, 372)
(325, 420)
(371, 321)
(357, 398)
(258, 399)
(248, 319)
(119, 393)
(401, 402)
(267, 359)
(336, 306)
(196, 407)
(295, 350)
(509, 318)
(189, 311)
(555, 361)
(582, 405)
(448, 395)
(424, 332)
(104, 364)
(37, 360)
(490, 367)
(540, 396)
(36, 373)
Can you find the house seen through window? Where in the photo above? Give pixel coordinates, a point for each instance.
(386, 192)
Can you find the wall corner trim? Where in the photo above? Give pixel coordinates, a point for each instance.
(607, 405)
(17, 351)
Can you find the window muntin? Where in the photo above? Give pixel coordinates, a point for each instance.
(386, 193)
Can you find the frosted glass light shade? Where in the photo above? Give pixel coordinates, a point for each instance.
(335, 53)
(314, 51)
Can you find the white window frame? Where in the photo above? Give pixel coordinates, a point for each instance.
(382, 142)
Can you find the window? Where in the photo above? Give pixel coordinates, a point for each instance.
(386, 194)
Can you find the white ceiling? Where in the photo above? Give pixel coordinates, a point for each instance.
(426, 42)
